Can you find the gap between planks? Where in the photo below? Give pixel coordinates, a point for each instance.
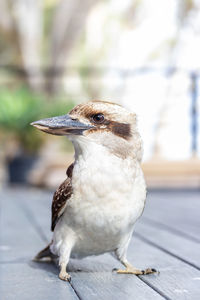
(154, 288)
(170, 229)
(148, 241)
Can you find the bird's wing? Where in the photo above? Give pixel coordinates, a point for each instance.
(62, 194)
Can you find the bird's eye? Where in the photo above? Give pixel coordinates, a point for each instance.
(98, 118)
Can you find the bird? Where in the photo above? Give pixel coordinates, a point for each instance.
(96, 207)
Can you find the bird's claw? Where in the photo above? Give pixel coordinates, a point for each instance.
(65, 276)
(114, 270)
(149, 271)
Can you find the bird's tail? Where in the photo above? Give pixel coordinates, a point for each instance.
(45, 253)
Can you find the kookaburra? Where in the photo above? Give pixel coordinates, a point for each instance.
(94, 210)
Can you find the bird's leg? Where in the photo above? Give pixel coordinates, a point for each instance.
(129, 268)
(63, 261)
(63, 273)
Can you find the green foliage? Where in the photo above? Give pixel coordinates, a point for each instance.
(20, 107)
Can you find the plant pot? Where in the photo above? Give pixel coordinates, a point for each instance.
(19, 168)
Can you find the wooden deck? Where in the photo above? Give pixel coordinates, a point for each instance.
(166, 238)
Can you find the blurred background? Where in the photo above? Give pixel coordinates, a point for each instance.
(143, 54)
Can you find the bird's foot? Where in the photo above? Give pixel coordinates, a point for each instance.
(132, 270)
(64, 276)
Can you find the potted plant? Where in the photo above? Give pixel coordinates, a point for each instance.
(18, 108)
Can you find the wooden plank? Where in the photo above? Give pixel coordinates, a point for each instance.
(91, 284)
(176, 281)
(187, 250)
(30, 281)
(180, 213)
(18, 239)
(19, 242)
(37, 206)
(96, 280)
(178, 228)
(39, 202)
(106, 286)
(168, 198)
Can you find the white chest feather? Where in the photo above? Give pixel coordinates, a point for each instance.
(108, 197)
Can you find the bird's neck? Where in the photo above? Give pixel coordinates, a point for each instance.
(93, 156)
(112, 147)
(84, 150)
(98, 172)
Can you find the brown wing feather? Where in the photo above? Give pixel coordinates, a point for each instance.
(62, 194)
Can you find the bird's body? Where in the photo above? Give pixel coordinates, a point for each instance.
(109, 195)
(95, 208)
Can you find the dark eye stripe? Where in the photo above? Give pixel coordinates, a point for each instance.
(121, 129)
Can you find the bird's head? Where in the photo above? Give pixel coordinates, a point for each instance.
(104, 123)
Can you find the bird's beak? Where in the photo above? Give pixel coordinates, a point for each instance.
(61, 125)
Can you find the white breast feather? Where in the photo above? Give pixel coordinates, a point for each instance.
(108, 197)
